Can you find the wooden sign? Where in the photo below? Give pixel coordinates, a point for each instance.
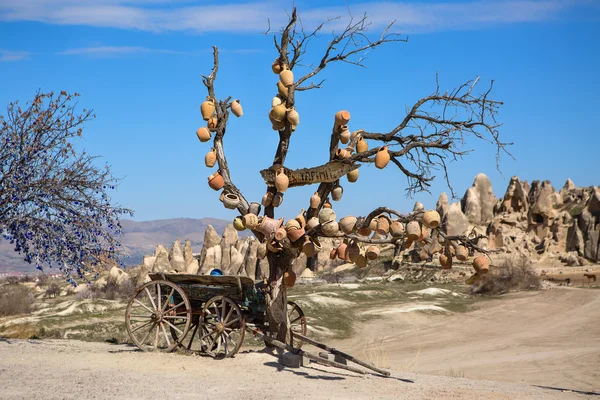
(330, 172)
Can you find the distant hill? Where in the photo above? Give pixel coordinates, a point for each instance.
(139, 239)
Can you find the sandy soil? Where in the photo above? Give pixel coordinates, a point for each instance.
(548, 337)
(54, 369)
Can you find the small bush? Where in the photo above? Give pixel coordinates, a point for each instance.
(516, 274)
(43, 280)
(11, 280)
(15, 299)
(25, 278)
(53, 290)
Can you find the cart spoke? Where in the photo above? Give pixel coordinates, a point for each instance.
(173, 326)
(219, 340)
(232, 322)
(174, 307)
(225, 345)
(296, 320)
(141, 326)
(228, 315)
(218, 315)
(167, 300)
(156, 337)
(165, 333)
(147, 334)
(224, 305)
(143, 305)
(140, 316)
(158, 297)
(151, 298)
(183, 318)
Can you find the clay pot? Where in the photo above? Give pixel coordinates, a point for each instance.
(383, 225)
(236, 108)
(283, 91)
(372, 252)
(407, 243)
(203, 134)
(361, 145)
(352, 251)
(268, 226)
(274, 246)
(413, 230)
(315, 200)
(337, 192)
(397, 228)
(210, 158)
(276, 66)
(308, 248)
(215, 181)
(347, 224)
(373, 224)
(424, 234)
(361, 261)
(300, 219)
(292, 224)
(446, 261)
(431, 219)
(207, 109)
(341, 251)
(261, 252)
(342, 153)
(281, 181)
(238, 224)
(278, 113)
(382, 158)
(342, 117)
(267, 199)
(326, 204)
(364, 231)
(462, 254)
(330, 228)
(277, 199)
(254, 208)
(250, 221)
(280, 234)
(276, 125)
(344, 134)
(295, 234)
(276, 101)
(333, 253)
(481, 263)
(352, 176)
(212, 123)
(311, 223)
(326, 214)
(293, 117)
(231, 201)
(286, 76)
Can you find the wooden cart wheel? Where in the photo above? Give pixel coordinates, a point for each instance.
(222, 327)
(297, 324)
(191, 341)
(156, 307)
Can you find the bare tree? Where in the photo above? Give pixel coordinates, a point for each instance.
(54, 201)
(432, 132)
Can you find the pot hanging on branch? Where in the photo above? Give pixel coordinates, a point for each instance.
(277, 199)
(215, 181)
(231, 201)
(382, 158)
(344, 134)
(207, 108)
(281, 181)
(337, 193)
(352, 176)
(203, 134)
(212, 123)
(286, 76)
(276, 66)
(431, 219)
(342, 117)
(210, 158)
(293, 117)
(236, 108)
(361, 145)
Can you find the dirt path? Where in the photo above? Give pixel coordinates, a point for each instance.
(549, 337)
(54, 369)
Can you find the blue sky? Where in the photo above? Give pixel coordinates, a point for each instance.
(137, 63)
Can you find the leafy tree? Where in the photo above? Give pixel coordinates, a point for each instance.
(54, 201)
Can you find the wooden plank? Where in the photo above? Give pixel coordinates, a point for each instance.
(204, 279)
(329, 172)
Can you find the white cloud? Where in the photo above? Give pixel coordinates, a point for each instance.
(163, 15)
(111, 51)
(8, 55)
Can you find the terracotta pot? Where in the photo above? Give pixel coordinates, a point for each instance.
(342, 117)
(277, 126)
(293, 117)
(215, 181)
(283, 91)
(207, 109)
(250, 221)
(337, 192)
(425, 232)
(333, 253)
(352, 176)
(361, 261)
(231, 201)
(254, 208)
(238, 224)
(364, 231)
(446, 261)
(407, 244)
(397, 229)
(261, 251)
(277, 199)
(210, 158)
(236, 108)
(383, 225)
(281, 181)
(311, 223)
(347, 224)
(286, 76)
(373, 224)
(315, 200)
(372, 252)
(295, 234)
(462, 254)
(481, 263)
(203, 134)
(431, 219)
(212, 123)
(330, 228)
(413, 230)
(276, 67)
(326, 214)
(300, 218)
(326, 203)
(342, 153)
(344, 134)
(280, 234)
(352, 251)
(274, 246)
(276, 101)
(292, 224)
(341, 251)
(361, 145)
(382, 158)
(308, 248)
(268, 226)
(278, 113)
(267, 199)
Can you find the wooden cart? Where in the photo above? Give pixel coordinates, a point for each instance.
(201, 313)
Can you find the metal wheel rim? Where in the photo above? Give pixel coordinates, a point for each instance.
(150, 314)
(297, 323)
(222, 327)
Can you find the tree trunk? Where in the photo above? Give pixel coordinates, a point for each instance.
(276, 296)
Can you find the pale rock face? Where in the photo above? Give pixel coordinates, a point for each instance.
(236, 261)
(230, 237)
(118, 276)
(211, 239)
(418, 206)
(149, 261)
(251, 258)
(593, 204)
(212, 259)
(192, 267)
(187, 252)
(299, 264)
(176, 257)
(161, 263)
(516, 197)
(442, 205)
(455, 222)
(479, 201)
(544, 201)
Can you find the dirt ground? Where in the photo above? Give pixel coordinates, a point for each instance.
(547, 337)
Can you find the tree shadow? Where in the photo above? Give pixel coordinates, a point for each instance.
(306, 375)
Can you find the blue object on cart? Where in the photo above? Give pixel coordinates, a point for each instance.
(216, 272)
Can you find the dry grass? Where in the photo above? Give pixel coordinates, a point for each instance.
(373, 353)
(517, 274)
(21, 331)
(15, 299)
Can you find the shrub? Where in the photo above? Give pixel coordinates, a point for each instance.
(15, 299)
(43, 280)
(11, 280)
(53, 290)
(516, 274)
